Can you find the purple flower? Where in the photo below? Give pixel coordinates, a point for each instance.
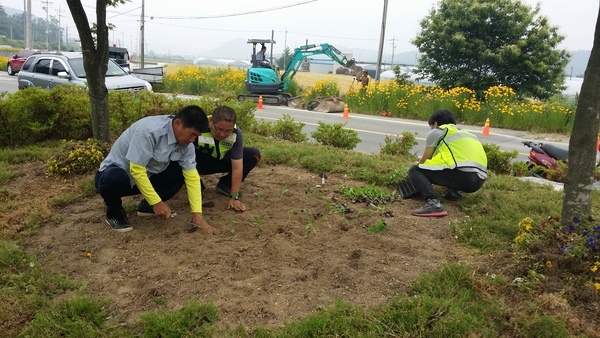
(572, 228)
(566, 249)
(597, 228)
(591, 243)
(576, 219)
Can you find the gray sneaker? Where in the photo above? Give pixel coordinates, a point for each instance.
(432, 208)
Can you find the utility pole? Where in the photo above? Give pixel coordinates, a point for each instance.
(142, 37)
(381, 40)
(393, 49)
(59, 29)
(28, 37)
(45, 8)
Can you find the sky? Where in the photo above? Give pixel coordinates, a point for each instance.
(189, 27)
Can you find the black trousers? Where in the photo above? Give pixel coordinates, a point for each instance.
(206, 164)
(113, 183)
(424, 179)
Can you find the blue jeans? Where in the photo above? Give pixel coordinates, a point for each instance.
(113, 183)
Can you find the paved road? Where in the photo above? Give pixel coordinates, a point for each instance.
(373, 129)
(8, 83)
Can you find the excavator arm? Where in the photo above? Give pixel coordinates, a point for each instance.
(302, 52)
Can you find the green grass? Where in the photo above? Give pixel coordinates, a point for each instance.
(457, 300)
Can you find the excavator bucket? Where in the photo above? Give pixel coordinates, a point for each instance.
(330, 105)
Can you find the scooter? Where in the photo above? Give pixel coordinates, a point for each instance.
(545, 155)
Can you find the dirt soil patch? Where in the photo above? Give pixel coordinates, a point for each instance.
(292, 252)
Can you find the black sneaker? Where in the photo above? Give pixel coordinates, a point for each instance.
(225, 190)
(119, 223)
(432, 208)
(453, 196)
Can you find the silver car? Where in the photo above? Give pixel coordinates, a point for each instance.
(47, 70)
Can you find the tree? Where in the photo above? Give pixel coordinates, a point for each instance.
(577, 196)
(4, 24)
(95, 61)
(482, 43)
(284, 59)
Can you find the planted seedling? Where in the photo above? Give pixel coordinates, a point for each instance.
(378, 227)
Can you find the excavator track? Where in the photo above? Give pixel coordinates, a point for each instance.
(270, 99)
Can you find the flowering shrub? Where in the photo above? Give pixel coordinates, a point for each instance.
(77, 157)
(3, 63)
(574, 248)
(325, 88)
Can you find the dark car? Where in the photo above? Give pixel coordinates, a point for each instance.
(16, 62)
(50, 69)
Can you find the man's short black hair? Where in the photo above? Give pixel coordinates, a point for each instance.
(223, 113)
(193, 117)
(442, 117)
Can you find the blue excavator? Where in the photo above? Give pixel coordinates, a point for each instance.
(262, 79)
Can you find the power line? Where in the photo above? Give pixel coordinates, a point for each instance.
(233, 14)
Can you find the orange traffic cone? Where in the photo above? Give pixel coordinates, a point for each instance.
(260, 104)
(486, 128)
(345, 116)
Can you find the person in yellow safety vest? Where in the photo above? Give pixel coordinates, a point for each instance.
(221, 150)
(453, 158)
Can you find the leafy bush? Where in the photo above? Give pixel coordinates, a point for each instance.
(64, 112)
(499, 162)
(401, 145)
(77, 157)
(285, 128)
(335, 135)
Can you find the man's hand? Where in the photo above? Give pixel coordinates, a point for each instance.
(236, 205)
(162, 210)
(200, 222)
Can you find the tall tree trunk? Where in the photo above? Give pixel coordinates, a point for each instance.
(95, 63)
(577, 196)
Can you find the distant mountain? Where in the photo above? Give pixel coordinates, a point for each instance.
(236, 49)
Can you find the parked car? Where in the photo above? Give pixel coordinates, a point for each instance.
(50, 69)
(14, 63)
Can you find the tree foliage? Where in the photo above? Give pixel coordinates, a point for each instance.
(12, 27)
(284, 59)
(483, 43)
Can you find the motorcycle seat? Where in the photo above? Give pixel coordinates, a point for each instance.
(556, 152)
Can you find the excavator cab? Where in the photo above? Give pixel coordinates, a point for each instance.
(261, 78)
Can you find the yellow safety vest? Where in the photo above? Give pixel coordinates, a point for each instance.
(457, 149)
(206, 140)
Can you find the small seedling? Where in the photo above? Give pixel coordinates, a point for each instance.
(283, 190)
(258, 220)
(378, 227)
(335, 208)
(309, 226)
